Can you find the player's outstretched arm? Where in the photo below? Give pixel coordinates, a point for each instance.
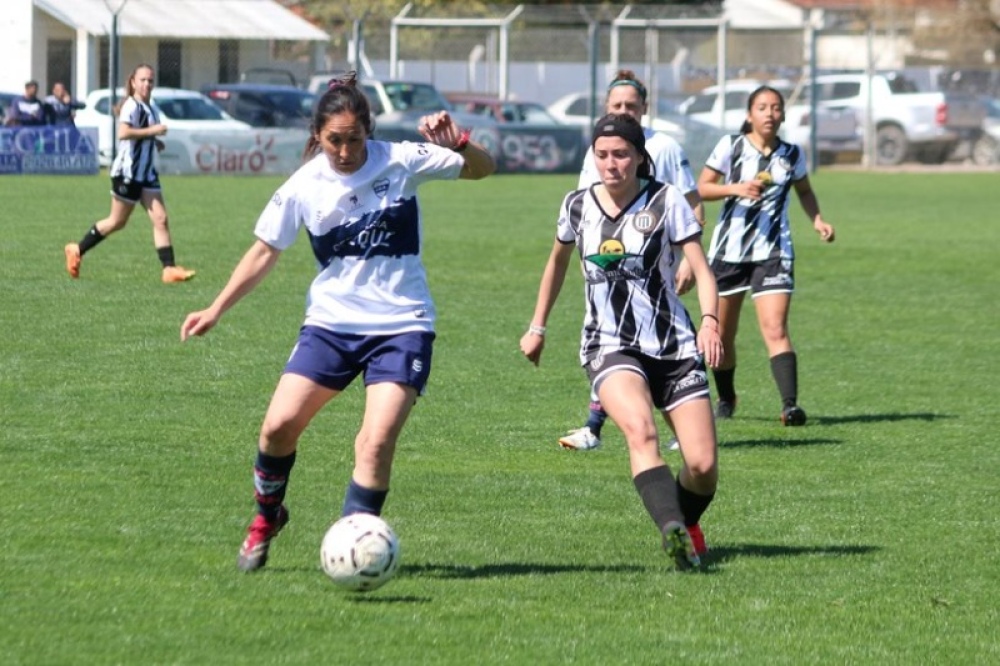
(253, 267)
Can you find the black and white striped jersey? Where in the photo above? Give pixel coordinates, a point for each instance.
(136, 158)
(627, 263)
(751, 231)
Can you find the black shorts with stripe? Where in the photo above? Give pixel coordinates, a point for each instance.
(771, 276)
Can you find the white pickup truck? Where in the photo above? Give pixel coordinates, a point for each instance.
(908, 124)
(836, 129)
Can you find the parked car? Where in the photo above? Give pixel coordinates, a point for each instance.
(696, 137)
(986, 149)
(399, 105)
(502, 111)
(908, 123)
(183, 109)
(837, 129)
(264, 105)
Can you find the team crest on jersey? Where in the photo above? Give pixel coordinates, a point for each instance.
(381, 186)
(643, 222)
(784, 163)
(417, 366)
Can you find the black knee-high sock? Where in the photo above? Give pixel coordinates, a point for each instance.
(725, 383)
(693, 505)
(658, 491)
(785, 369)
(90, 239)
(596, 418)
(270, 480)
(166, 255)
(359, 499)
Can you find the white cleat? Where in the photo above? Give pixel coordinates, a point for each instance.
(580, 440)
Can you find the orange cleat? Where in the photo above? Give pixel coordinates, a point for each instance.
(73, 260)
(176, 274)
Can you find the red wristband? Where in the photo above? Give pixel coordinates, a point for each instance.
(463, 141)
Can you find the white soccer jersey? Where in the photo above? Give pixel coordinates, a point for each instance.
(751, 231)
(670, 163)
(628, 272)
(365, 231)
(136, 158)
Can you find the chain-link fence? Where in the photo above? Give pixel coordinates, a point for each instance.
(697, 62)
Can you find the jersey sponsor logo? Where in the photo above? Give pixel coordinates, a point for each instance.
(381, 186)
(355, 201)
(643, 222)
(390, 232)
(610, 253)
(612, 263)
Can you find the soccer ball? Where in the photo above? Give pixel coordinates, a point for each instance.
(360, 552)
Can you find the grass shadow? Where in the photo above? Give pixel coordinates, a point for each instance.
(926, 417)
(776, 443)
(721, 554)
(510, 569)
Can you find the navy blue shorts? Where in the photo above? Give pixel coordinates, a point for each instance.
(333, 359)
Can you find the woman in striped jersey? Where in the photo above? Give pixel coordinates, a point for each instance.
(751, 248)
(639, 346)
(134, 179)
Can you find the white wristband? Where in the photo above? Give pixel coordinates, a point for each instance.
(537, 330)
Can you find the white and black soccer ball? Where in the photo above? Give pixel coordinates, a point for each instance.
(360, 552)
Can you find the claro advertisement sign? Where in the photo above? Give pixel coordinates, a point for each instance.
(69, 150)
(264, 151)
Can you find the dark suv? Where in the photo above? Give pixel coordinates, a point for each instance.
(262, 104)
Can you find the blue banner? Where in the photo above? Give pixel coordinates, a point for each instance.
(55, 149)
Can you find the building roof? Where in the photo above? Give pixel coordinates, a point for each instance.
(185, 19)
(763, 14)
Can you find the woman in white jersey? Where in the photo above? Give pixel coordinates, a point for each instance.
(134, 179)
(639, 346)
(751, 248)
(627, 95)
(368, 310)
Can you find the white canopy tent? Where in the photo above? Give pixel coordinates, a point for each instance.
(185, 19)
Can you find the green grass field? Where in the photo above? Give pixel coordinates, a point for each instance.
(870, 536)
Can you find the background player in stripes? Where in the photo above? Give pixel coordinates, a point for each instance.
(751, 248)
(369, 310)
(134, 179)
(639, 346)
(627, 95)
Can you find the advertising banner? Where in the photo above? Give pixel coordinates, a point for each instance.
(232, 153)
(48, 149)
(517, 148)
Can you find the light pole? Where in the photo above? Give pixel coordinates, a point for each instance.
(113, 66)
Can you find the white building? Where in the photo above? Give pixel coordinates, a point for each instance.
(189, 42)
